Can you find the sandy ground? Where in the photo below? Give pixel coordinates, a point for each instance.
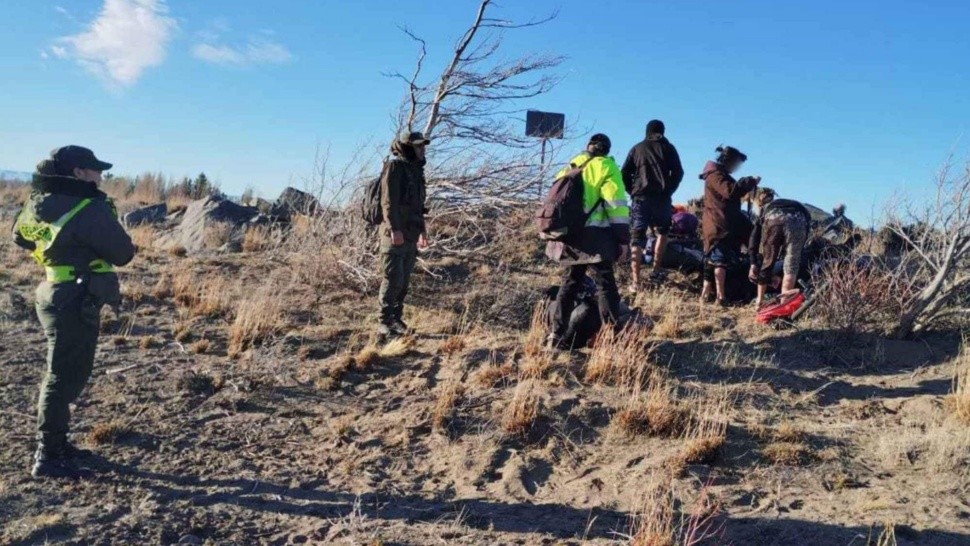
(296, 442)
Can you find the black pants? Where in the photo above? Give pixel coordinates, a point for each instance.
(607, 295)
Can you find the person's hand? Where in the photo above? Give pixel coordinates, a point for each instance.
(422, 241)
(397, 238)
(753, 274)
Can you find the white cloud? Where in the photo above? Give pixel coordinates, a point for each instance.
(128, 37)
(256, 50)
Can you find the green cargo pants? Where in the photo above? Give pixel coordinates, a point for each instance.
(71, 320)
(397, 265)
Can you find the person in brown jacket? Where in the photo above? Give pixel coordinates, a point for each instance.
(403, 233)
(724, 224)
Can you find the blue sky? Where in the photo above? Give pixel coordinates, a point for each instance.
(831, 100)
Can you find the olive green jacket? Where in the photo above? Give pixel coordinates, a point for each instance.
(403, 196)
(94, 233)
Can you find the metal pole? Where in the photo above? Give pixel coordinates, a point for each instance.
(542, 165)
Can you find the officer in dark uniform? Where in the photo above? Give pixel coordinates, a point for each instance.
(72, 230)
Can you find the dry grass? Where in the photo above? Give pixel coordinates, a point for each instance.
(148, 342)
(534, 344)
(658, 522)
(259, 238)
(449, 394)
(107, 433)
(453, 345)
(182, 331)
(654, 523)
(217, 234)
(255, 319)
(522, 411)
(366, 358)
(397, 347)
(22, 530)
(886, 537)
(495, 374)
(617, 358)
(787, 453)
(200, 347)
(197, 384)
(706, 432)
(958, 402)
(143, 236)
(653, 410)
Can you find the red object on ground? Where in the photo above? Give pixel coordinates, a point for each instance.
(782, 307)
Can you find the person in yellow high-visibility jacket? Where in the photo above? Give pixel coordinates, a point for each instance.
(72, 229)
(603, 241)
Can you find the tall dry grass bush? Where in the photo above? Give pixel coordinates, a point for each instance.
(958, 402)
(706, 432)
(536, 360)
(260, 238)
(857, 295)
(661, 520)
(653, 409)
(523, 409)
(255, 319)
(618, 357)
(13, 193)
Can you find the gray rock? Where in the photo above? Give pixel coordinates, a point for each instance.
(155, 214)
(204, 214)
(293, 201)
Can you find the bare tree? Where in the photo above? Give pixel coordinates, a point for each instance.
(936, 255)
(470, 107)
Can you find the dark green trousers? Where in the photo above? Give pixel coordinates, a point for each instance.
(397, 264)
(71, 320)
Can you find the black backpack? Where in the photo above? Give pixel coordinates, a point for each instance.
(370, 206)
(562, 214)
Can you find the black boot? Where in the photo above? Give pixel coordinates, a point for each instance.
(50, 461)
(398, 328)
(397, 325)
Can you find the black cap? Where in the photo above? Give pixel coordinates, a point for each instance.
(600, 144)
(72, 157)
(655, 127)
(414, 138)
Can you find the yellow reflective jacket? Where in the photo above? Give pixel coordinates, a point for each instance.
(605, 200)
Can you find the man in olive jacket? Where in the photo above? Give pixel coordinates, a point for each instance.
(72, 230)
(402, 232)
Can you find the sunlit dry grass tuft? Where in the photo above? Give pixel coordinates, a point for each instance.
(617, 358)
(449, 394)
(521, 413)
(255, 319)
(958, 402)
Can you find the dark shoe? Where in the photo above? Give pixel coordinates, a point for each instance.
(657, 277)
(48, 464)
(723, 303)
(398, 327)
(384, 330)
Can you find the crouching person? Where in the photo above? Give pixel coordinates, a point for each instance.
(402, 231)
(602, 242)
(72, 230)
(780, 233)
